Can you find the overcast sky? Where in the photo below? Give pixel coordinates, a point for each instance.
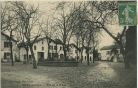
(48, 10)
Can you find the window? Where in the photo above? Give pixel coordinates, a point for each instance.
(35, 47)
(108, 52)
(60, 47)
(30, 56)
(90, 58)
(55, 47)
(82, 57)
(7, 44)
(42, 48)
(51, 47)
(69, 49)
(42, 41)
(76, 51)
(85, 57)
(91, 52)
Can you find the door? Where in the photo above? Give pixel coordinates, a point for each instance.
(40, 56)
(7, 56)
(62, 57)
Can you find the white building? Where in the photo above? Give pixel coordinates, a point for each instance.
(40, 49)
(106, 53)
(56, 50)
(85, 55)
(5, 48)
(73, 50)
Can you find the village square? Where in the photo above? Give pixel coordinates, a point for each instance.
(62, 44)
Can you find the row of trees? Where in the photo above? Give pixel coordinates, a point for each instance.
(85, 21)
(80, 21)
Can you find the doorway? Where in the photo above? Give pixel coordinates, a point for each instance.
(40, 56)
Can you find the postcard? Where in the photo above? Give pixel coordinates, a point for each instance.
(68, 44)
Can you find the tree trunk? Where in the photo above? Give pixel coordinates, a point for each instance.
(27, 58)
(88, 62)
(125, 52)
(77, 51)
(94, 54)
(81, 56)
(130, 49)
(48, 52)
(65, 53)
(19, 55)
(49, 56)
(56, 52)
(93, 58)
(34, 60)
(11, 55)
(77, 55)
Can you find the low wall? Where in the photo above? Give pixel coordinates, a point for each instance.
(58, 63)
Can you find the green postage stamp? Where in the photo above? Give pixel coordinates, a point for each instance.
(127, 13)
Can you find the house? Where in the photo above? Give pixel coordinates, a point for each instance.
(74, 51)
(5, 48)
(84, 54)
(50, 49)
(56, 50)
(40, 48)
(41, 52)
(110, 53)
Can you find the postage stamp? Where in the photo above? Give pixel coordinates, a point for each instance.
(127, 13)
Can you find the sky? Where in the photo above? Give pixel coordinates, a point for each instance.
(48, 10)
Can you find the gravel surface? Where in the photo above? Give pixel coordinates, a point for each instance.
(97, 75)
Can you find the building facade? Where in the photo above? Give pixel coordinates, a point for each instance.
(111, 53)
(40, 48)
(5, 48)
(56, 50)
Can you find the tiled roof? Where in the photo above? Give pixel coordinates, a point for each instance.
(57, 41)
(110, 47)
(8, 36)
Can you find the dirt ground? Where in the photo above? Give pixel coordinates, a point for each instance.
(97, 75)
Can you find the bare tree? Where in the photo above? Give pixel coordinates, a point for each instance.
(65, 25)
(49, 32)
(8, 23)
(28, 17)
(87, 31)
(89, 39)
(101, 14)
(5, 21)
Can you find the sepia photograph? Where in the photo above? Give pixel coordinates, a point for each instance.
(68, 44)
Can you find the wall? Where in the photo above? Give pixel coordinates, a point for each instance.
(7, 49)
(39, 45)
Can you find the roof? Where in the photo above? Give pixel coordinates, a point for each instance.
(8, 36)
(110, 47)
(75, 46)
(57, 41)
(40, 39)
